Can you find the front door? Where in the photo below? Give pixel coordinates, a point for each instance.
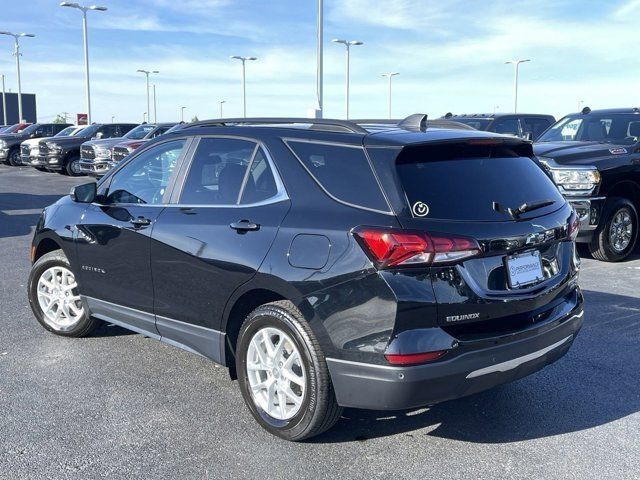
(214, 238)
(113, 236)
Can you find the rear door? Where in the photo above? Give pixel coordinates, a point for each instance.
(213, 239)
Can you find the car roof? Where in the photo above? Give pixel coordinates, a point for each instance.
(605, 111)
(492, 116)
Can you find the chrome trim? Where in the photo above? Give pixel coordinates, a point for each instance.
(313, 177)
(516, 362)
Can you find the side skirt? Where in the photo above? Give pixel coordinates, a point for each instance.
(193, 338)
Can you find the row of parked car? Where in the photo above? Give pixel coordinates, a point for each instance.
(74, 149)
(592, 156)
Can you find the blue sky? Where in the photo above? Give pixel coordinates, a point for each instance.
(450, 55)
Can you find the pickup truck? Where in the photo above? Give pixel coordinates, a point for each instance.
(63, 153)
(594, 158)
(29, 149)
(10, 142)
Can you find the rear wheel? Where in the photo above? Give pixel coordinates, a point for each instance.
(54, 297)
(72, 167)
(616, 236)
(283, 375)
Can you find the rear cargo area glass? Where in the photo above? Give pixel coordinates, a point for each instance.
(467, 188)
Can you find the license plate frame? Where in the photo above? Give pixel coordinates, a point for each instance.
(523, 269)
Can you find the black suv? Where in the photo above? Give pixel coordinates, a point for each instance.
(326, 264)
(62, 154)
(10, 143)
(523, 125)
(593, 156)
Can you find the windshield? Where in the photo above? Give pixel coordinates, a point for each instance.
(89, 131)
(17, 128)
(140, 132)
(30, 128)
(620, 128)
(65, 132)
(477, 123)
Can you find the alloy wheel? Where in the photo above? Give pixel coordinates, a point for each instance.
(58, 298)
(621, 230)
(276, 373)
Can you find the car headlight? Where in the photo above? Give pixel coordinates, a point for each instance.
(3, 144)
(579, 180)
(53, 147)
(103, 152)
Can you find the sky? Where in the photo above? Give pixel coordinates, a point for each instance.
(450, 56)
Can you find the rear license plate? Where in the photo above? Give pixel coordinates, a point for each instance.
(524, 269)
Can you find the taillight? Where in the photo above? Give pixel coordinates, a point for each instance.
(573, 227)
(413, 358)
(394, 247)
(132, 146)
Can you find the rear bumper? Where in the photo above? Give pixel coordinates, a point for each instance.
(379, 387)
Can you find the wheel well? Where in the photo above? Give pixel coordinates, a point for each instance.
(629, 190)
(242, 307)
(45, 246)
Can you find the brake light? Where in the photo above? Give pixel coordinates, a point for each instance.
(132, 146)
(413, 358)
(394, 247)
(573, 227)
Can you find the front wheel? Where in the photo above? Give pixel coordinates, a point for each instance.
(54, 298)
(616, 236)
(72, 167)
(14, 158)
(283, 375)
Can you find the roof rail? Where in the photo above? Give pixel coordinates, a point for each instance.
(417, 121)
(315, 123)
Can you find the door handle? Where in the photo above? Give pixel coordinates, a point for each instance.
(140, 222)
(245, 226)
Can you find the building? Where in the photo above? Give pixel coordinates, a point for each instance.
(28, 108)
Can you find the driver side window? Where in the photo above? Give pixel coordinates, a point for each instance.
(144, 180)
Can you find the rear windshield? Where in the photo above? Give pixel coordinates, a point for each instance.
(466, 188)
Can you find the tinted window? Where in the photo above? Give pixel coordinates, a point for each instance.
(260, 184)
(605, 128)
(145, 178)
(67, 131)
(506, 125)
(535, 126)
(217, 171)
(139, 132)
(466, 188)
(344, 172)
(478, 124)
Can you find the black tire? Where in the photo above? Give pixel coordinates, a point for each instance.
(600, 246)
(56, 258)
(14, 158)
(319, 410)
(72, 166)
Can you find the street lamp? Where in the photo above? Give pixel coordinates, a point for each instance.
(182, 113)
(221, 103)
(147, 73)
(16, 36)
(347, 44)
(4, 103)
(244, 83)
(516, 64)
(389, 77)
(113, 118)
(155, 105)
(84, 10)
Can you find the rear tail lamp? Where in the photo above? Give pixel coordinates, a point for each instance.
(393, 247)
(132, 146)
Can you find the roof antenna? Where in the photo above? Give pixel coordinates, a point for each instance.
(417, 121)
(586, 111)
(448, 115)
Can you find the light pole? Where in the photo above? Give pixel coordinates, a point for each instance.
(113, 118)
(144, 117)
(85, 39)
(244, 83)
(221, 103)
(389, 77)
(319, 56)
(4, 103)
(348, 44)
(155, 105)
(146, 74)
(516, 64)
(16, 36)
(182, 113)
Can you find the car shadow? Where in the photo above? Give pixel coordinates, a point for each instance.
(592, 385)
(19, 212)
(110, 330)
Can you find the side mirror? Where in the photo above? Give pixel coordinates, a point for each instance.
(528, 136)
(98, 136)
(85, 193)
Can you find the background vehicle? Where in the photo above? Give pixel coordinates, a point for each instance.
(15, 128)
(63, 153)
(29, 149)
(593, 158)
(98, 156)
(326, 266)
(523, 125)
(10, 143)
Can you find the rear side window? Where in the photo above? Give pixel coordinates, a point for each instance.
(535, 126)
(343, 172)
(465, 188)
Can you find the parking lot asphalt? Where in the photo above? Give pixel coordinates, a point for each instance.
(119, 405)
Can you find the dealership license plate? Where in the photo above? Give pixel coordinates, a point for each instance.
(524, 269)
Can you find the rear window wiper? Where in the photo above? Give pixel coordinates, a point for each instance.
(524, 208)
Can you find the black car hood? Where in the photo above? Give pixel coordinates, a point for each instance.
(602, 155)
(13, 136)
(68, 140)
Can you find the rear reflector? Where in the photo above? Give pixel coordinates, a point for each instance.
(394, 247)
(413, 358)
